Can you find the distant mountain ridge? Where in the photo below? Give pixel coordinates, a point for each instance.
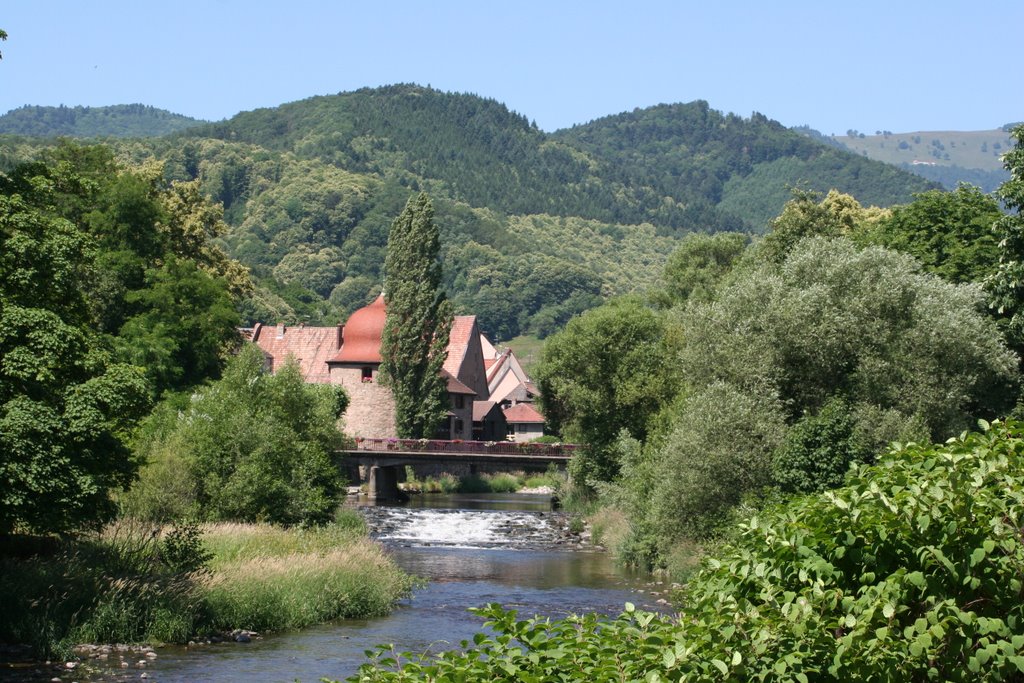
(119, 120)
(668, 165)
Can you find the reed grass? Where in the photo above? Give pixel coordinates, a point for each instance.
(118, 586)
(295, 590)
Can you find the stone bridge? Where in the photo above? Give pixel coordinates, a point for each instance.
(384, 460)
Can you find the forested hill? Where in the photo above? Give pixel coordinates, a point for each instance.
(742, 167)
(679, 167)
(121, 120)
(535, 227)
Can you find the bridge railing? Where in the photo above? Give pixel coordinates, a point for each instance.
(476, 447)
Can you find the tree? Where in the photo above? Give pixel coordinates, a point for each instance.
(950, 233)
(836, 215)
(609, 370)
(66, 408)
(252, 446)
(699, 264)
(157, 285)
(866, 324)
(419, 320)
(1007, 285)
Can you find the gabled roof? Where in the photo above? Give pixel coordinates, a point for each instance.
(455, 386)
(481, 409)
(522, 412)
(458, 342)
(311, 346)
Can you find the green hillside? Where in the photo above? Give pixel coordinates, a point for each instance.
(946, 157)
(727, 167)
(535, 227)
(666, 165)
(120, 121)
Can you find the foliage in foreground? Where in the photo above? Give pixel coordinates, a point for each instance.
(912, 571)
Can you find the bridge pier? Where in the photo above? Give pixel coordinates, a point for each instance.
(382, 483)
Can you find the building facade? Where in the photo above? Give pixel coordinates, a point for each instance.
(349, 355)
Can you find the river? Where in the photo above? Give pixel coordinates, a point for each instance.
(472, 549)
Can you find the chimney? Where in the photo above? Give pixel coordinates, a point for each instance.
(341, 335)
(280, 330)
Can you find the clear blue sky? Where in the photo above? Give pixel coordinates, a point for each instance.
(895, 65)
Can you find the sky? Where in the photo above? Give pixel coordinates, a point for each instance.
(899, 65)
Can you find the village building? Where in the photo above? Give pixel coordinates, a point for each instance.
(483, 383)
(524, 422)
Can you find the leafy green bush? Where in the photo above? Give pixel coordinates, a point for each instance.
(252, 446)
(818, 450)
(912, 571)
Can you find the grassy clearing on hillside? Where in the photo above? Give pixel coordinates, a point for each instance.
(527, 349)
(131, 584)
(970, 149)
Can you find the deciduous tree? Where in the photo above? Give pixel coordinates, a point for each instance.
(65, 407)
(610, 369)
(1007, 285)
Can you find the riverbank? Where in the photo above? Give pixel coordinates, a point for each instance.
(139, 584)
(472, 549)
(499, 482)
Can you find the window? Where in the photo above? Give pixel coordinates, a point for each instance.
(460, 401)
(367, 374)
(458, 427)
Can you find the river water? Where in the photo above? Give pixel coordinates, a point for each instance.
(471, 549)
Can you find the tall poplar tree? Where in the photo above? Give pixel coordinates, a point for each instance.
(419, 320)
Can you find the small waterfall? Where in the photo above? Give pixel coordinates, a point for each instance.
(398, 526)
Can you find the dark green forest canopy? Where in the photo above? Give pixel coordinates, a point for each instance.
(620, 169)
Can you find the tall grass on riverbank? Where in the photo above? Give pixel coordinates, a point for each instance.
(267, 578)
(129, 584)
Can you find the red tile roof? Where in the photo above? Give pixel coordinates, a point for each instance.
(522, 412)
(458, 342)
(455, 386)
(480, 410)
(311, 346)
(362, 334)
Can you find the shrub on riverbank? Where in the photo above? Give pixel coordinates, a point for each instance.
(136, 583)
(498, 482)
(911, 571)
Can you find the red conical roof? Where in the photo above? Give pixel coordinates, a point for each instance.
(362, 334)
